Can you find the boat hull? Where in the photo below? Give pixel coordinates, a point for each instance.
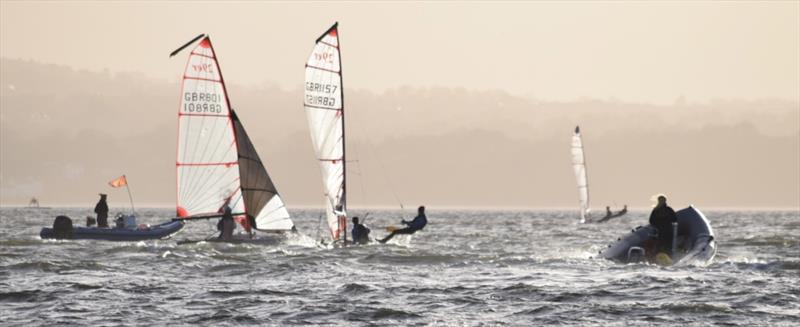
(695, 242)
(117, 234)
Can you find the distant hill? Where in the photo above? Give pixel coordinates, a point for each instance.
(64, 133)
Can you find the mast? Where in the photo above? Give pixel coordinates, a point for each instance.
(344, 131)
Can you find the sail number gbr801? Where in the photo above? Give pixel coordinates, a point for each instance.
(324, 94)
(200, 102)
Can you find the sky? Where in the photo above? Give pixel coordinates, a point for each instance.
(457, 104)
(654, 52)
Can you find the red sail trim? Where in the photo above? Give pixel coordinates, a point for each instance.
(328, 44)
(208, 163)
(202, 79)
(202, 55)
(320, 68)
(323, 108)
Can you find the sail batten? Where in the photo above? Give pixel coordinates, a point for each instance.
(324, 109)
(579, 167)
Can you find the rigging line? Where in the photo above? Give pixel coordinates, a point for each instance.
(382, 166)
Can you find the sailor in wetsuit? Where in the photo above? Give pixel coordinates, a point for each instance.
(226, 224)
(418, 223)
(662, 218)
(360, 232)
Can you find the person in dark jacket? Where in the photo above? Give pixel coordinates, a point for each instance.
(662, 218)
(101, 209)
(418, 223)
(226, 224)
(360, 232)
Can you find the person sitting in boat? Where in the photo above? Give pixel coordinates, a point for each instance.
(662, 218)
(360, 233)
(418, 223)
(624, 210)
(608, 211)
(101, 209)
(226, 224)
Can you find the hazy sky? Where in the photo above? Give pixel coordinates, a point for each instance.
(644, 52)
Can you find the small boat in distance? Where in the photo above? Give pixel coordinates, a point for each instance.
(34, 204)
(611, 215)
(579, 166)
(694, 242)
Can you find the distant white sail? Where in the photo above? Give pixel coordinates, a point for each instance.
(579, 166)
(325, 112)
(217, 163)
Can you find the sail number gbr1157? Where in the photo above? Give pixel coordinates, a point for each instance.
(319, 94)
(201, 102)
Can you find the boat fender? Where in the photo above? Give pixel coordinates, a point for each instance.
(62, 227)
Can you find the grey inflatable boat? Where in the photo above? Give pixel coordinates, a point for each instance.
(694, 243)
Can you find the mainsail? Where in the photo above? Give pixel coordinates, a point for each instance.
(579, 166)
(217, 164)
(325, 112)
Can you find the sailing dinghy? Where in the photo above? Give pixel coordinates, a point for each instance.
(579, 166)
(324, 108)
(217, 164)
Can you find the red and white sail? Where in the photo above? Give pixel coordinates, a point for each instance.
(217, 164)
(325, 112)
(579, 166)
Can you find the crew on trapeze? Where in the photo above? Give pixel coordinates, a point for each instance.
(418, 223)
(360, 233)
(662, 218)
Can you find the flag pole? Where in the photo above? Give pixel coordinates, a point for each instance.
(133, 210)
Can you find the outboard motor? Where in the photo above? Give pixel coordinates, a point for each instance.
(62, 227)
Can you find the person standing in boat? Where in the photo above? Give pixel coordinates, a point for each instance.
(608, 211)
(226, 224)
(418, 223)
(662, 218)
(360, 233)
(101, 209)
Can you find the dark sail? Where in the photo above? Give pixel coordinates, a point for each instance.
(261, 199)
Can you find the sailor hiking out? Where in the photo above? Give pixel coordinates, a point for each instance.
(418, 223)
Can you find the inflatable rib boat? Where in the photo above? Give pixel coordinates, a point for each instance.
(694, 243)
(62, 229)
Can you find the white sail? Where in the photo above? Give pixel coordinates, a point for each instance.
(207, 164)
(217, 163)
(325, 112)
(579, 166)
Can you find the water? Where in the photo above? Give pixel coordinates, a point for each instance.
(467, 268)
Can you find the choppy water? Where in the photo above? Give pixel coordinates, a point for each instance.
(467, 268)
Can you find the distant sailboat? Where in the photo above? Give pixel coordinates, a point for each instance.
(217, 164)
(325, 111)
(579, 166)
(34, 203)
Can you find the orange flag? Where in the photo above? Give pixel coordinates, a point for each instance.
(119, 182)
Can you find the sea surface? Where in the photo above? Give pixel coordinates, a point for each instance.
(467, 268)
